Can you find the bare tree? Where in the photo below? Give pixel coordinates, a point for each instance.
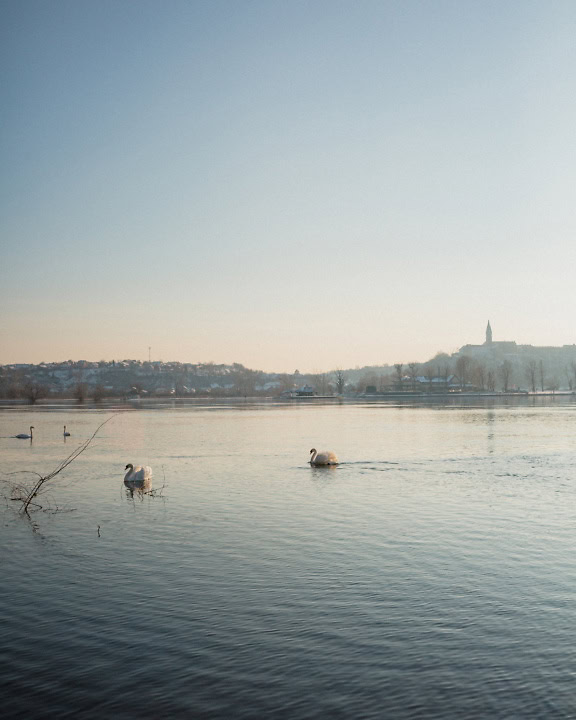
(340, 381)
(285, 382)
(398, 368)
(553, 383)
(479, 375)
(98, 393)
(245, 381)
(33, 391)
(413, 374)
(490, 381)
(384, 382)
(530, 371)
(368, 382)
(320, 382)
(429, 376)
(444, 373)
(541, 374)
(463, 366)
(80, 391)
(505, 372)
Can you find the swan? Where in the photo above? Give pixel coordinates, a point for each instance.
(66, 434)
(137, 477)
(324, 458)
(24, 436)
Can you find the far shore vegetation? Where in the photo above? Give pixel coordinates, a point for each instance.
(488, 368)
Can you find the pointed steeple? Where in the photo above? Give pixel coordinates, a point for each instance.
(488, 334)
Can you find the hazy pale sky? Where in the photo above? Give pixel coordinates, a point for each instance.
(285, 184)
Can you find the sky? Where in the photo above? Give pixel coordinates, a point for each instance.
(287, 184)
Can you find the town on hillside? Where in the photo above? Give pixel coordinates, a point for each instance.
(495, 366)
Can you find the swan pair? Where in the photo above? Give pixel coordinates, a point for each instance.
(25, 436)
(141, 476)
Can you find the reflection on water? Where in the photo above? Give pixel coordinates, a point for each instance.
(138, 489)
(430, 574)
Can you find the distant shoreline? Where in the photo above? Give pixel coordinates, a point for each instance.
(121, 402)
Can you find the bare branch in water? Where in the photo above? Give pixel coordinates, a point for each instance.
(26, 494)
(155, 492)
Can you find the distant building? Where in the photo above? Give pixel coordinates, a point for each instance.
(493, 349)
(304, 391)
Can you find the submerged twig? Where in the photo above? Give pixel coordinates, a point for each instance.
(154, 492)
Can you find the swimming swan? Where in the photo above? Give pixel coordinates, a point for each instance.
(324, 458)
(137, 477)
(66, 434)
(24, 436)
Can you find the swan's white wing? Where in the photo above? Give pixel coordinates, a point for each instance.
(138, 476)
(326, 457)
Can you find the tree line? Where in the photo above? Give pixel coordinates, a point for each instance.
(465, 372)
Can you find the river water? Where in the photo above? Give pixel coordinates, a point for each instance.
(432, 574)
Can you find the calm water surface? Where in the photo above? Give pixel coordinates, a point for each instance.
(431, 575)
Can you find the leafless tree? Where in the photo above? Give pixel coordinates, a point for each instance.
(340, 381)
(429, 376)
(98, 393)
(530, 371)
(413, 374)
(367, 381)
(553, 383)
(286, 382)
(33, 391)
(444, 373)
(384, 382)
(541, 374)
(479, 375)
(505, 372)
(398, 368)
(320, 382)
(463, 367)
(14, 390)
(80, 391)
(245, 381)
(490, 381)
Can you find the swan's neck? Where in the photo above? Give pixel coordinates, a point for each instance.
(315, 452)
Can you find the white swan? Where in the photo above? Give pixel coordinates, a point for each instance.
(24, 436)
(137, 477)
(324, 458)
(66, 434)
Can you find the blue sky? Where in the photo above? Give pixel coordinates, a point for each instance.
(285, 184)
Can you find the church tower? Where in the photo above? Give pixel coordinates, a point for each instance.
(488, 334)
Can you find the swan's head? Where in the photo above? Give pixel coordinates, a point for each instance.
(129, 466)
(312, 451)
(31, 427)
